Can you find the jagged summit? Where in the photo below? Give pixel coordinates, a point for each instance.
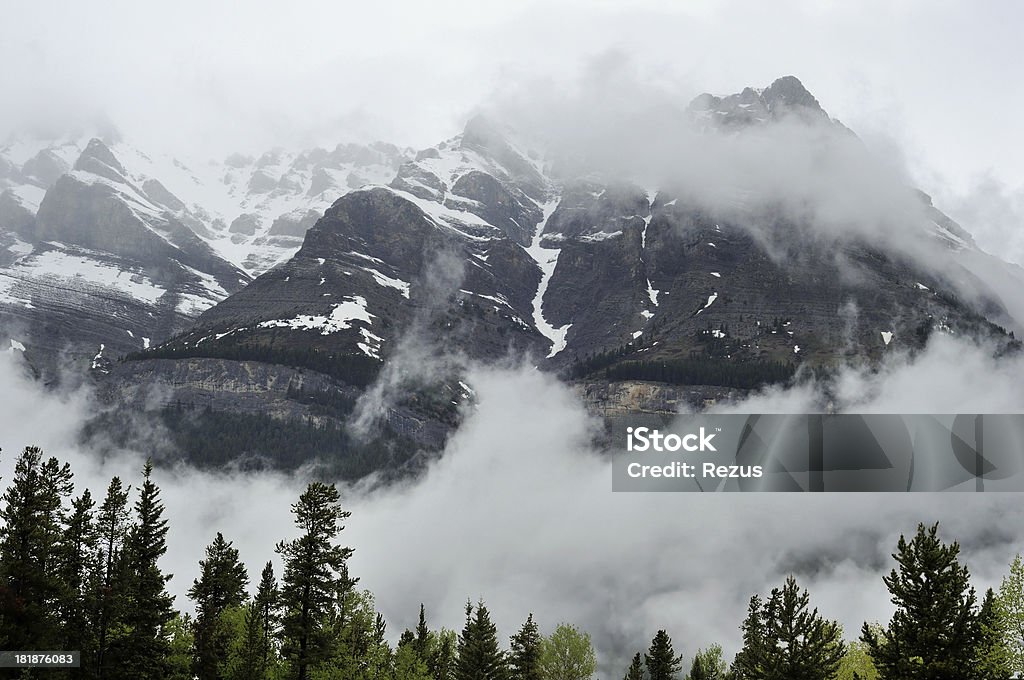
(786, 96)
(97, 158)
(789, 92)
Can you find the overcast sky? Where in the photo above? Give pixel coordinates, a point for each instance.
(936, 78)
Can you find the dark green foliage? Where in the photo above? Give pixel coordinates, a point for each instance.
(444, 659)
(636, 669)
(315, 577)
(525, 652)
(480, 658)
(212, 439)
(262, 624)
(661, 660)
(724, 373)
(934, 633)
(701, 370)
(358, 370)
(992, 655)
(143, 651)
(78, 555)
(221, 585)
(31, 587)
(784, 639)
(97, 572)
(108, 580)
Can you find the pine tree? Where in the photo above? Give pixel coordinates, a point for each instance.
(934, 632)
(221, 585)
(315, 577)
(479, 655)
(78, 557)
(992, 658)
(443, 660)
(256, 656)
(423, 639)
(636, 669)
(661, 660)
(108, 580)
(785, 639)
(31, 589)
(145, 648)
(524, 659)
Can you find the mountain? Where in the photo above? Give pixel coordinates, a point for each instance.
(105, 250)
(95, 263)
(482, 248)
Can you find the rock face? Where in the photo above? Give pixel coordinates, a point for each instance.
(100, 268)
(101, 244)
(644, 298)
(785, 97)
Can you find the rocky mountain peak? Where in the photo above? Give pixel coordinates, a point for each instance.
(784, 97)
(97, 158)
(788, 92)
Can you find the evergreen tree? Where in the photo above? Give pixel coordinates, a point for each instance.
(145, 648)
(1011, 610)
(221, 585)
(479, 656)
(992, 658)
(786, 640)
(254, 655)
(661, 660)
(31, 529)
(108, 580)
(422, 642)
(567, 655)
(265, 611)
(315, 577)
(636, 669)
(524, 659)
(443, 659)
(77, 563)
(934, 632)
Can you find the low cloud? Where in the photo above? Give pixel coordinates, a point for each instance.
(995, 212)
(519, 511)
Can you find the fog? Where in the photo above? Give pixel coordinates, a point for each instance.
(210, 80)
(519, 511)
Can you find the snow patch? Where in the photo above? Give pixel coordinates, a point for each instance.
(886, 336)
(711, 299)
(340, 318)
(652, 293)
(68, 266)
(547, 260)
(382, 280)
